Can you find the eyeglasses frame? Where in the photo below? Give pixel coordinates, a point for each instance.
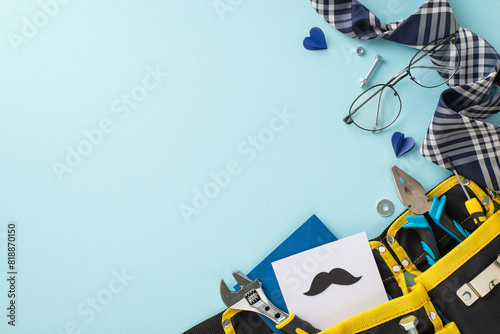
(397, 78)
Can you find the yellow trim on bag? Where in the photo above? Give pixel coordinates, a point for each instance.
(383, 313)
(443, 187)
(462, 253)
(437, 322)
(450, 328)
(286, 322)
(391, 262)
(227, 315)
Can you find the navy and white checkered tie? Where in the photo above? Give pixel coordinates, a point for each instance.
(456, 128)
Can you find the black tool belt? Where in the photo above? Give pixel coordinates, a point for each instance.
(457, 294)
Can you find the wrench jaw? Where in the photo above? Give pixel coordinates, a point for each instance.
(250, 298)
(230, 298)
(242, 279)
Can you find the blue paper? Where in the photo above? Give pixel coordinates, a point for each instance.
(316, 40)
(312, 233)
(400, 144)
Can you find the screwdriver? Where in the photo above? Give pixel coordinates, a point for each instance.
(472, 204)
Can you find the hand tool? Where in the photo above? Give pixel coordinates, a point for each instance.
(251, 298)
(413, 195)
(472, 204)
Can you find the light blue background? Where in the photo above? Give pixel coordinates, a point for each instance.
(118, 210)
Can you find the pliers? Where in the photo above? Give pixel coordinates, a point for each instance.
(250, 297)
(424, 213)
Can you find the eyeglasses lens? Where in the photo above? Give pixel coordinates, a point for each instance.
(376, 109)
(435, 64)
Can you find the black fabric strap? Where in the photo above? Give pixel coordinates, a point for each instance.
(210, 326)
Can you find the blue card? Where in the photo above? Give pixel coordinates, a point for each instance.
(312, 233)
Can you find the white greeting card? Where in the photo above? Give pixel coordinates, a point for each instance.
(330, 283)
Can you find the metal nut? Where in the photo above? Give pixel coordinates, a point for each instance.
(360, 51)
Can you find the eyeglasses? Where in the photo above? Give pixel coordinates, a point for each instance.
(379, 106)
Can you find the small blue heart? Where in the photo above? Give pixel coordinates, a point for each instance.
(400, 144)
(316, 41)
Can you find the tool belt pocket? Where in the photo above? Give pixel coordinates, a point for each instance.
(437, 291)
(386, 317)
(462, 284)
(453, 294)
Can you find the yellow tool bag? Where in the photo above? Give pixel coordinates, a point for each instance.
(455, 294)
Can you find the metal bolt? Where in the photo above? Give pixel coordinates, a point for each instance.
(381, 249)
(370, 72)
(465, 181)
(432, 315)
(409, 324)
(390, 240)
(405, 262)
(486, 200)
(396, 268)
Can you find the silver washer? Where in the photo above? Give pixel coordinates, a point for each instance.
(385, 208)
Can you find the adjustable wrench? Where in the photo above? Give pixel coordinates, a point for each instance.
(251, 298)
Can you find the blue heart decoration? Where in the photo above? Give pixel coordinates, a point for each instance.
(400, 144)
(316, 41)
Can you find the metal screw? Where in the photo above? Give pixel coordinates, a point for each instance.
(405, 262)
(381, 249)
(432, 315)
(409, 324)
(486, 200)
(390, 240)
(370, 72)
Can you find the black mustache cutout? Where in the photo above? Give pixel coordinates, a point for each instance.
(323, 280)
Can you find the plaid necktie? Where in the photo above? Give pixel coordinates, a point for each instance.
(456, 129)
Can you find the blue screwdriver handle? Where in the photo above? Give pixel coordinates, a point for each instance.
(440, 217)
(422, 227)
